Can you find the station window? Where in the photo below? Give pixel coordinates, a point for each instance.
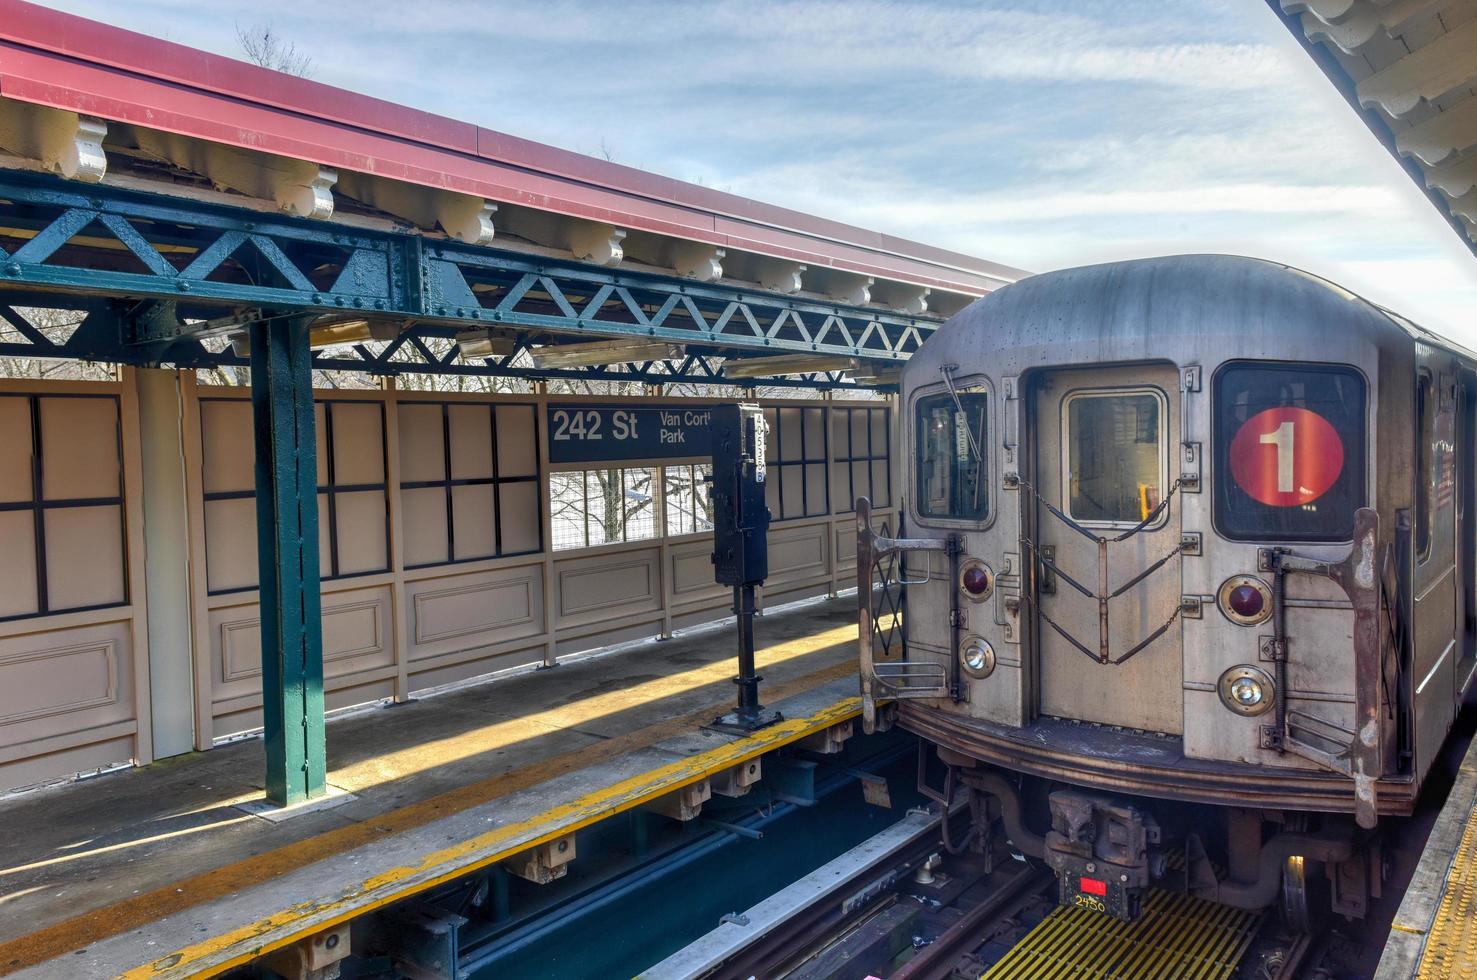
(689, 508)
(61, 504)
(1116, 455)
(1289, 456)
(953, 482)
(861, 443)
(353, 512)
(607, 506)
(469, 482)
(797, 482)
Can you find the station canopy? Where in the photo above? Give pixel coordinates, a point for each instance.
(216, 192)
(1409, 67)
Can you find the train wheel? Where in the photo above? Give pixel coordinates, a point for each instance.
(1305, 895)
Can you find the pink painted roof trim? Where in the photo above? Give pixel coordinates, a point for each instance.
(67, 62)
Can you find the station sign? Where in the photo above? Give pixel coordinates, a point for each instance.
(609, 434)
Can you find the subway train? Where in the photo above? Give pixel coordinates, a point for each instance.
(1183, 591)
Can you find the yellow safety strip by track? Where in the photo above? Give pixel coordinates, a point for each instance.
(1451, 946)
(1177, 938)
(241, 945)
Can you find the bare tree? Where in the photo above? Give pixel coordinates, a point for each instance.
(263, 46)
(56, 326)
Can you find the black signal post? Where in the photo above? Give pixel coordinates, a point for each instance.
(740, 542)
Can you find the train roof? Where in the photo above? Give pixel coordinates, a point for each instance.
(1115, 304)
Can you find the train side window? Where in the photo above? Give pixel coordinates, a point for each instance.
(953, 482)
(1117, 455)
(1289, 451)
(1425, 468)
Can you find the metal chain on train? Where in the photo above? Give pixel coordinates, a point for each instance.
(1102, 597)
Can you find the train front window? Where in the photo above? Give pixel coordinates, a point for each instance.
(1289, 451)
(1116, 455)
(952, 480)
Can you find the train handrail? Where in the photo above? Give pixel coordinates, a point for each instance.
(1362, 757)
(905, 679)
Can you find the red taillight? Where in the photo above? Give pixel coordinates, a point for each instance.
(976, 580)
(1246, 600)
(1091, 886)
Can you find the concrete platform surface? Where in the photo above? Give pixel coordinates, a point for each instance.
(157, 872)
(1434, 932)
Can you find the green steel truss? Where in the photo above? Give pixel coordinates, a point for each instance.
(157, 275)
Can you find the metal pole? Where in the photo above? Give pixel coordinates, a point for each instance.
(747, 680)
(287, 552)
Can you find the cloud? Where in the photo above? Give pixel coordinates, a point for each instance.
(1032, 132)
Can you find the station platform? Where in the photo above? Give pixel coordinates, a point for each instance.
(1434, 932)
(167, 871)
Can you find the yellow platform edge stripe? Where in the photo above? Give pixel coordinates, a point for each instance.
(220, 953)
(1451, 943)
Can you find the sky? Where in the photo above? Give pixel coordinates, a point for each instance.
(1006, 130)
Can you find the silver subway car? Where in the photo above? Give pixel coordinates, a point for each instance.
(1181, 531)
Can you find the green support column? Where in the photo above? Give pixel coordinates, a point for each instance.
(287, 549)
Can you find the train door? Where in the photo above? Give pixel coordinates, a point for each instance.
(1437, 617)
(1466, 470)
(1103, 464)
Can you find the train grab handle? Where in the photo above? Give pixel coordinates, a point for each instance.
(901, 678)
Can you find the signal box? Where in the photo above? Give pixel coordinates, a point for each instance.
(740, 517)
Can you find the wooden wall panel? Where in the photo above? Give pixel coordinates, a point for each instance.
(455, 612)
(601, 587)
(415, 627)
(357, 651)
(67, 697)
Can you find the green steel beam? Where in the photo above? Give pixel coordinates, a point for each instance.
(198, 261)
(287, 550)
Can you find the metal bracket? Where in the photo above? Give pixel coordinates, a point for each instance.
(1190, 453)
(1191, 607)
(151, 321)
(1010, 389)
(424, 941)
(1190, 543)
(1267, 648)
(1046, 585)
(1271, 737)
(791, 780)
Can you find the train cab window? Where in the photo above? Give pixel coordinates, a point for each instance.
(1289, 451)
(1116, 455)
(953, 481)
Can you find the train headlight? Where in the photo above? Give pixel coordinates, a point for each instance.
(1246, 690)
(976, 580)
(1245, 599)
(977, 656)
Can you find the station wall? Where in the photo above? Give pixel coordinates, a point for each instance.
(451, 545)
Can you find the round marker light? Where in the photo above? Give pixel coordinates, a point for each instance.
(975, 580)
(1245, 599)
(977, 656)
(1246, 690)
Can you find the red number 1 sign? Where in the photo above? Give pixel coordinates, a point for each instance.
(1285, 457)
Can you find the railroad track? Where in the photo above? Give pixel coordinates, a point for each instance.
(900, 907)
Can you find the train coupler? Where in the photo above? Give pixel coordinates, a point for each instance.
(1104, 852)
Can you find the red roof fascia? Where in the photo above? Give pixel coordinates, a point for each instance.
(68, 62)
